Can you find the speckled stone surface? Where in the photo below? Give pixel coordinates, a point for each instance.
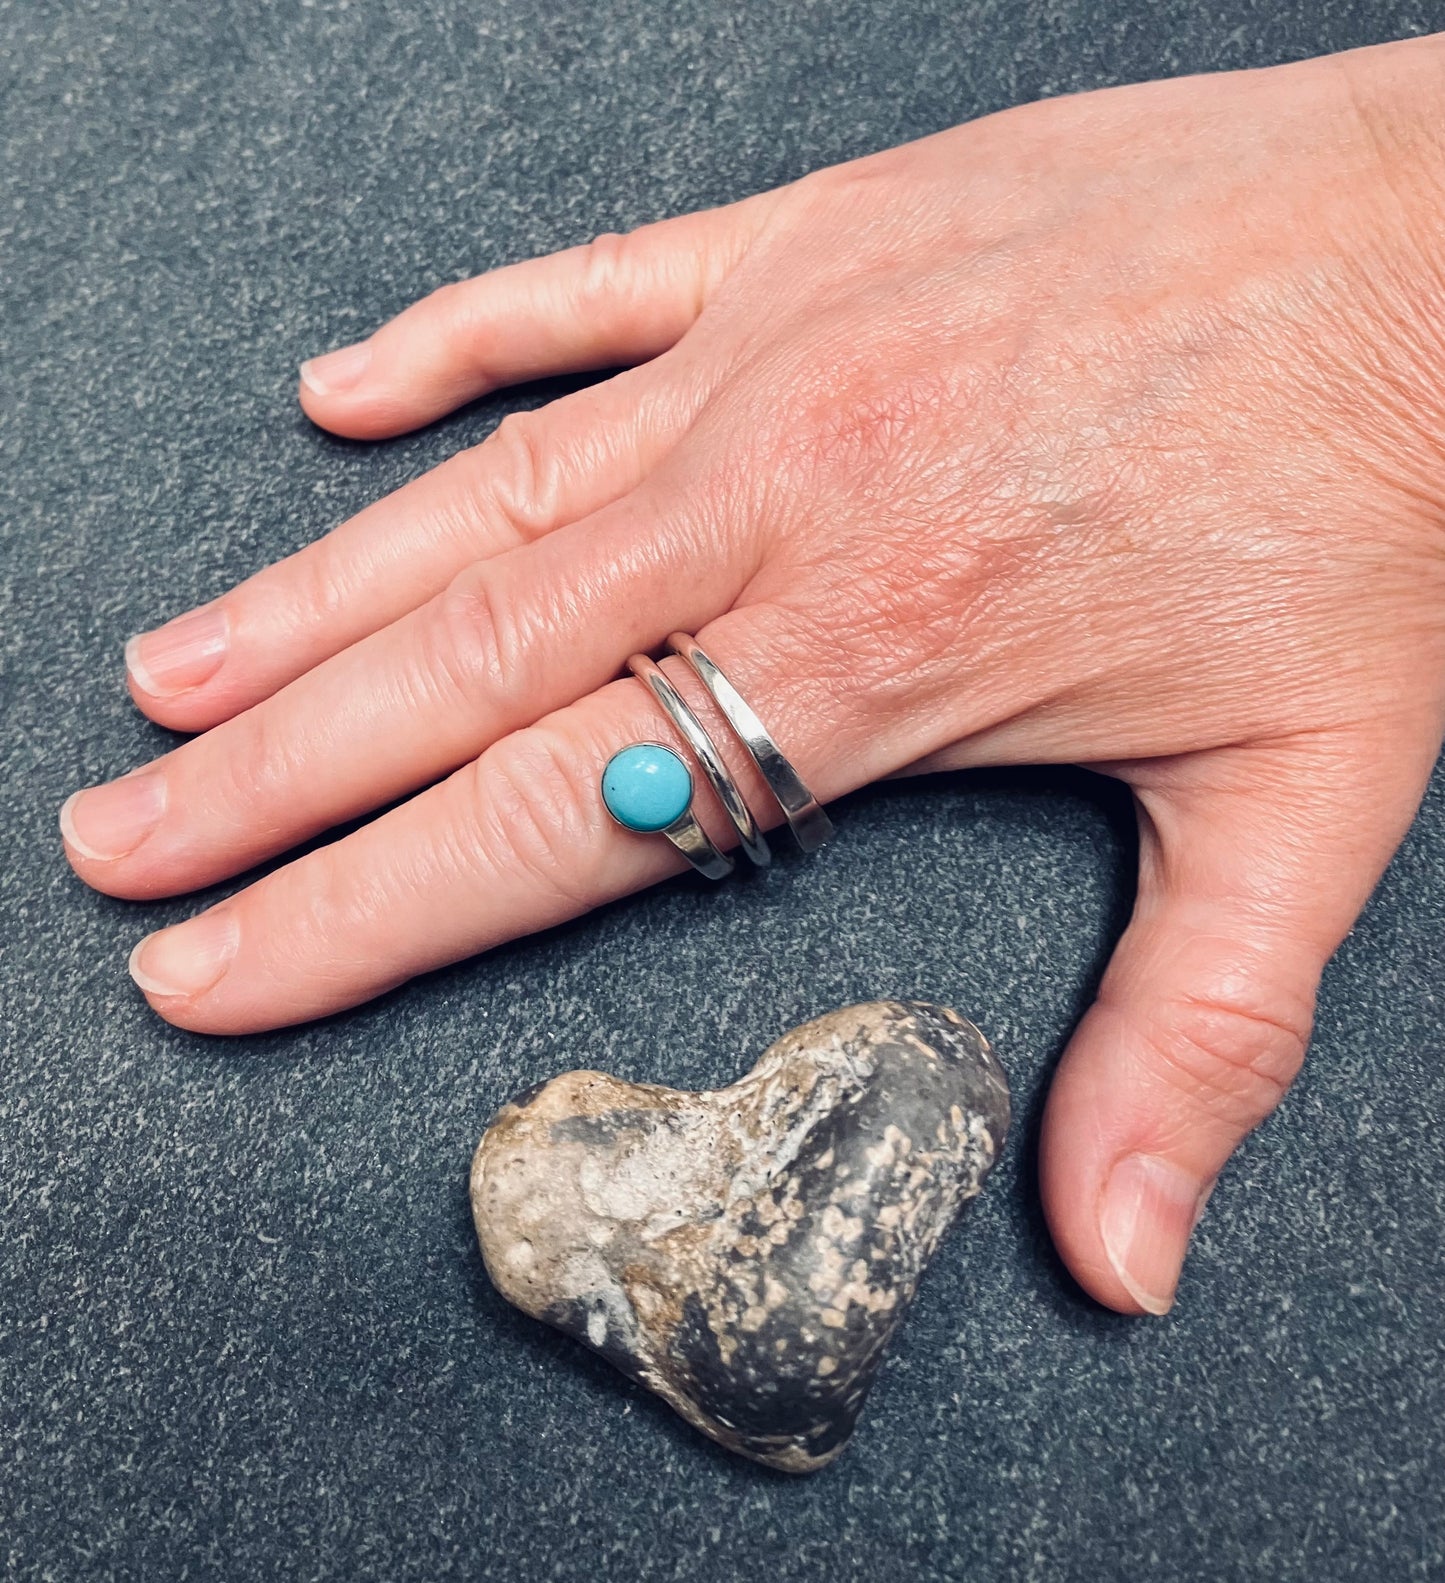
(245, 1331)
(748, 1252)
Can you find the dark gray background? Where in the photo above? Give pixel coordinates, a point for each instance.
(244, 1328)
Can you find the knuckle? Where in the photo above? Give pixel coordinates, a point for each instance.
(452, 304)
(1230, 1053)
(605, 269)
(321, 913)
(830, 198)
(466, 652)
(530, 802)
(258, 779)
(318, 573)
(514, 466)
(511, 480)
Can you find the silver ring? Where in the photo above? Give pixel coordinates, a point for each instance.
(806, 819)
(643, 762)
(648, 671)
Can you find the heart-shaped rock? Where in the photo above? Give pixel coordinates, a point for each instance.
(748, 1252)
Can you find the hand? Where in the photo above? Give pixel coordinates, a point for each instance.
(1107, 430)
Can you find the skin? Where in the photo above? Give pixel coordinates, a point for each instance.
(1106, 430)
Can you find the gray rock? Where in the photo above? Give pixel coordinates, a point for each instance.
(747, 1253)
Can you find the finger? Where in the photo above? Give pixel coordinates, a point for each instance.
(508, 640)
(1254, 862)
(613, 301)
(536, 472)
(516, 841)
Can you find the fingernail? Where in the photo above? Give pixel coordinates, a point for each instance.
(180, 655)
(338, 370)
(110, 821)
(1150, 1207)
(187, 958)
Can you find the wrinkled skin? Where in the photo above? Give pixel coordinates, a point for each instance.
(1107, 430)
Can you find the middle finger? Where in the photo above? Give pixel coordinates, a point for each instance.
(508, 640)
(537, 471)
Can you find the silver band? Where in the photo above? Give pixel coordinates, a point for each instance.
(806, 818)
(695, 844)
(702, 745)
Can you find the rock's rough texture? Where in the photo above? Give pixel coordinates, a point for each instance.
(747, 1253)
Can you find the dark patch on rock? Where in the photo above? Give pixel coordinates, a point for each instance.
(747, 1253)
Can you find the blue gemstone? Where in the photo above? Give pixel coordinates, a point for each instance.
(646, 786)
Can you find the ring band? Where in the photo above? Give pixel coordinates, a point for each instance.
(648, 671)
(648, 788)
(811, 827)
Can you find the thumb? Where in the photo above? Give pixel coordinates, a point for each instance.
(1254, 862)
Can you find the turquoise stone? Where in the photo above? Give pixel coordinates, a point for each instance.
(646, 786)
